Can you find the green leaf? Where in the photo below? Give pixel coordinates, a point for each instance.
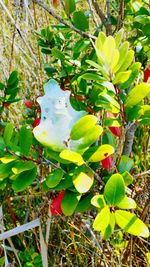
(58, 54)
(100, 40)
(83, 179)
(108, 49)
(5, 169)
(119, 37)
(98, 153)
(84, 203)
(127, 62)
(131, 224)
(122, 77)
(70, 6)
(25, 140)
(2, 86)
(128, 178)
(140, 91)
(72, 156)
(114, 190)
(91, 76)
(80, 21)
(112, 122)
(65, 183)
(22, 166)
(8, 158)
(98, 201)
(135, 68)
(102, 219)
(13, 78)
(109, 100)
(23, 180)
(55, 156)
(91, 137)
(107, 232)
(8, 132)
(123, 53)
(81, 127)
(54, 178)
(70, 202)
(127, 203)
(125, 164)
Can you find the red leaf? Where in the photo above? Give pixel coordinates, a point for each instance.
(28, 103)
(55, 3)
(146, 74)
(6, 105)
(55, 206)
(36, 122)
(106, 163)
(117, 131)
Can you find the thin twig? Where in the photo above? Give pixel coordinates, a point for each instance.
(120, 15)
(102, 16)
(17, 28)
(56, 16)
(92, 12)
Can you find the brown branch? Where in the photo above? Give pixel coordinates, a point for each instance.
(57, 17)
(11, 210)
(129, 139)
(120, 15)
(103, 18)
(92, 13)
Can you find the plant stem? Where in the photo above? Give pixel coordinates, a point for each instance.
(56, 16)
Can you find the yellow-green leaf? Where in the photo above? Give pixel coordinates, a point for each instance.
(81, 127)
(83, 179)
(72, 156)
(137, 94)
(131, 224)
(98, 153)
(102, 219)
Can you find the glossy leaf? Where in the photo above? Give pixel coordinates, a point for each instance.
(91, 137)
(25, 140)
(22, 166)
(102, 219)
(8, 132)
(127, 203)
(119, 37)
(84, 203)
(131, 224)
(54, 178)
(70, 6)
(8, 158)
(23, 180)
(122, 77)
(141, 91)
(127, 177)
(70, 202)
(81, 127)
(80, 21)
(98, 201)
(125, 164)
(5, 169)
(72, 156)
(108, 231)
(83, 179)
(98, 153)
(114, 190)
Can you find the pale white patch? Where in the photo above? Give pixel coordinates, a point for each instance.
(57, 118)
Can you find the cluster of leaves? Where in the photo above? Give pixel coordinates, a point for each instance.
(101, 78)
(138, 13)
(9, 90)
